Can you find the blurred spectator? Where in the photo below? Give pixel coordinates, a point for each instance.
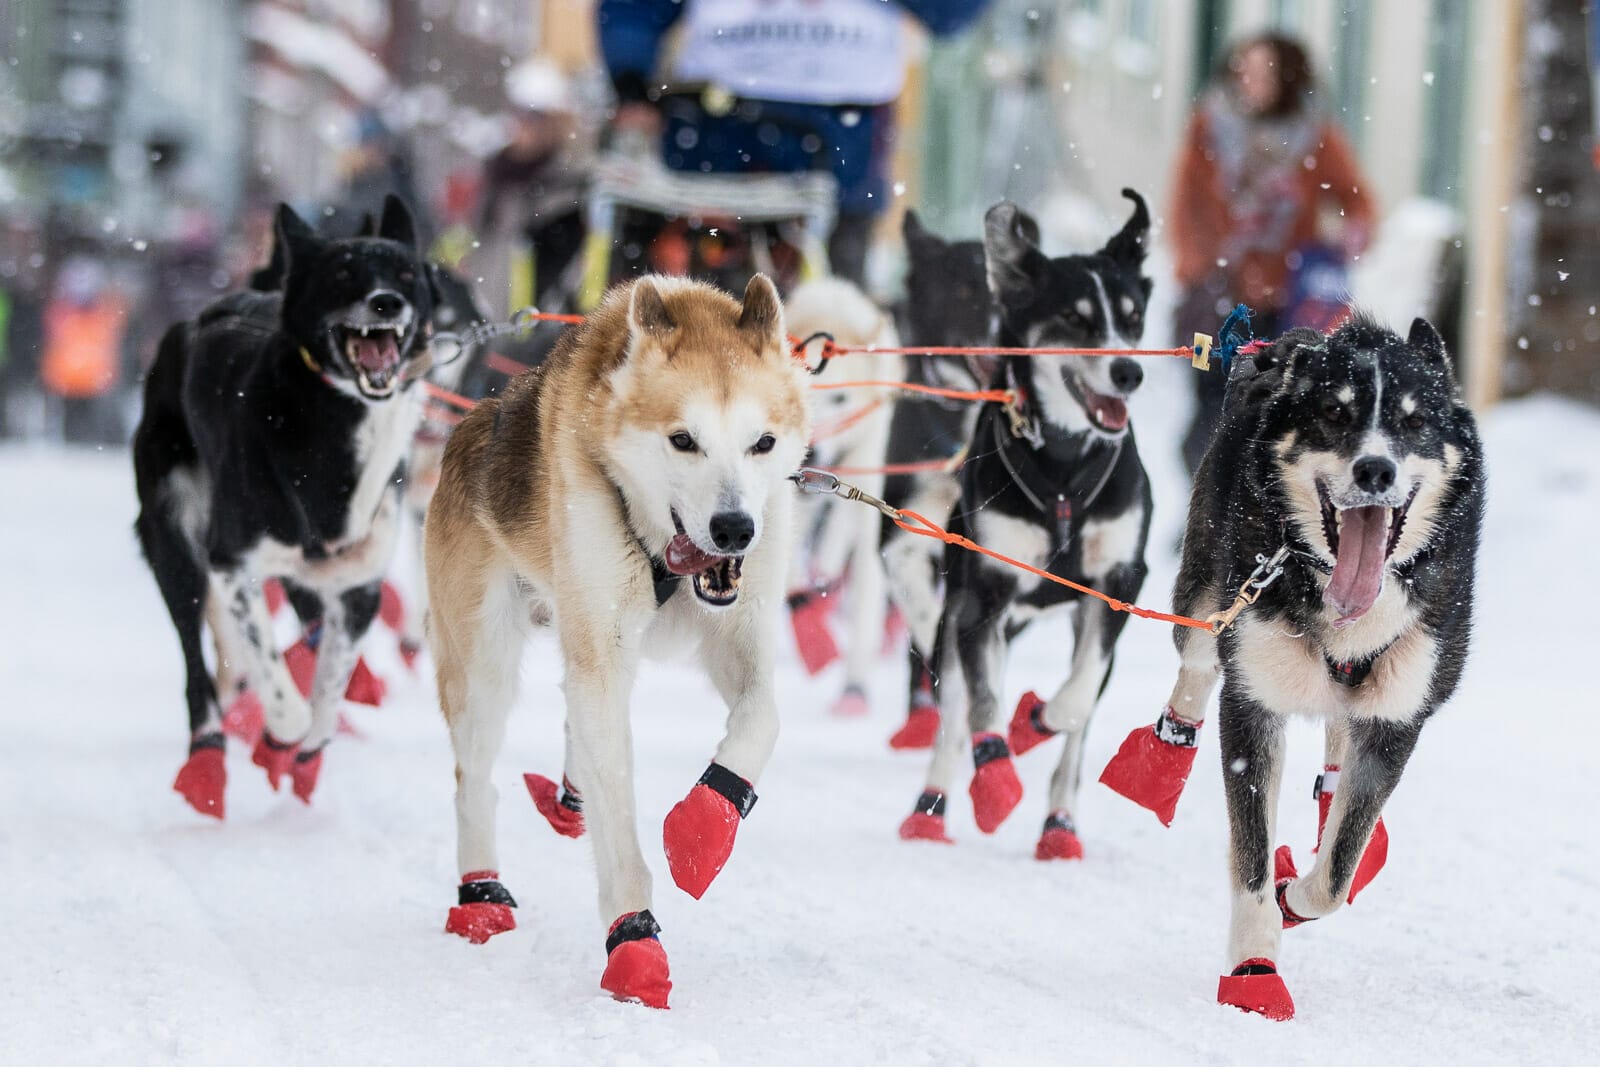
(84, 324)
(775, 85)
(529, 184)
(378, 164)
(1259, 165)
(22, 266)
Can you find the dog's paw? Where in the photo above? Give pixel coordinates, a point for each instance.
(484, 909)
(699, 831)
(920, 730)
(808, 616)
(926, 821)
(303, 774)
(1027, 724)
(996, 790)
(852, 704)
(636, 964)
(563, 809)
(365, 687)
(204, 776)
(1284, 875)
(275, 757)
(1059, 841)
(245, 718)
(1372, 860)
(1153, 765)
(1255, 986)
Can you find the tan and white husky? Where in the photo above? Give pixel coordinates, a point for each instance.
(631, 492)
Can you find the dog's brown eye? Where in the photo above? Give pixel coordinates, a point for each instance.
(764, 444)
(682, 442)
(1335, 414)
(1416, 422)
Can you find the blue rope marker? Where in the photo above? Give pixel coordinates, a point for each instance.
(1235, 333)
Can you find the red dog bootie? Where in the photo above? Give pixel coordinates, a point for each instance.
(636, 964)
(1255, 986)
(921, 727)
(1059, 840)
(562, 808)
(409, 651)
(1027, 724)
(484, 909)
(275, 757)
(1284, 875)
(1152, 765)
(272, 592)
(203, 777)
(1377, 851)
(364, 687)
(699, 831)
(245, 718)
(926, 821)
(391, 609)
(303, 774)
(996, 790)
(808, 616)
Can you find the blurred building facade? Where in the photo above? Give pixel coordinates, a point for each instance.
(1472, 119)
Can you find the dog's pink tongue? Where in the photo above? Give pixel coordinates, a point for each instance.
(1358, 570)
(376, 353)
(1109, 411)
(683, 556)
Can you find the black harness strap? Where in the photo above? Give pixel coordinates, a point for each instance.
(665, 582)
(1352, 673)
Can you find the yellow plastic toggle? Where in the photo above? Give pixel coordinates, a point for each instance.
(1201, 360)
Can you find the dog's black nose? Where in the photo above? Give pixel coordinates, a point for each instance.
(1126, 374)
(731, 531)
(1374, 474)
(385, 303)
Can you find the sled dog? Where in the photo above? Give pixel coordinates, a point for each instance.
(273, 442)
(632, 491)
(1054, 480)
(1348, 479)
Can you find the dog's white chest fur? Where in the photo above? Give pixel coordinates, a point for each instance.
(1282, 669)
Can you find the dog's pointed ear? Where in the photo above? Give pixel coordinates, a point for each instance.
(291, 239)
(647, 312)
(911, 228)
(1010, 243)
(763, 311)
(368, 227)
(396, 223)
(1132, 241)
(1424, 339)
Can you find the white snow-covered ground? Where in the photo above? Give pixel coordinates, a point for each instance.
(136, 931)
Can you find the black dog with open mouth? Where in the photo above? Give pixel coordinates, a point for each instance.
(273, 442)
(1055, 481)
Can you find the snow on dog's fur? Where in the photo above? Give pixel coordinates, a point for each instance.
(851, 432)
(632, 489)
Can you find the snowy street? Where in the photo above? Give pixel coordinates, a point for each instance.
(140, 932)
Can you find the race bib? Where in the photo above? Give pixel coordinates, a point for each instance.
(799, 51)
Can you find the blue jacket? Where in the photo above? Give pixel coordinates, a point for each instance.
(852, 142)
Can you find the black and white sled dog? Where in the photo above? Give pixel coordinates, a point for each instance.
(1054, 481)
(273, 444)
(947, 305)
(1350, 467)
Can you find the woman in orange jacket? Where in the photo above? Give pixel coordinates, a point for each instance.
(1260, 171)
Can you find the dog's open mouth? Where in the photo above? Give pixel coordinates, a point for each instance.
(1108, 413)
(1362, 540)
(373, 352)
(715, 578)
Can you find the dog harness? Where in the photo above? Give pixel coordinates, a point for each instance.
(1351, 673)
(1057, 507)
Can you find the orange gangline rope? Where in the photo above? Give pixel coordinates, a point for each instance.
(926, 527)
